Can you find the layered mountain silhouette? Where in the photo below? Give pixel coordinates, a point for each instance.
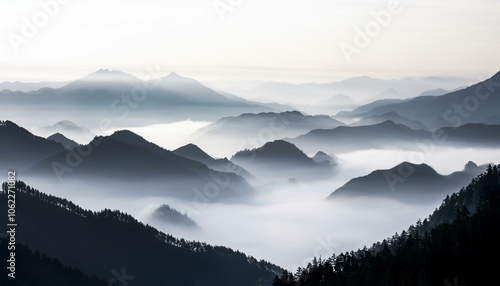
(20, 149)
(65, 141)
(330, 106)
(478, 103)
(252, 130)
(455, 239)
(125, 99)
(281, 160)
(362, 88)
(408, 182)
(366, 107)
(194, 152)
(99, 242)
(30, 86)
(126, 158)
(392, 116)
(345, 138)
(473, 134)
(437, 91)
(68, 129)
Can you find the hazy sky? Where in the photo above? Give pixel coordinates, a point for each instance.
(293, 40)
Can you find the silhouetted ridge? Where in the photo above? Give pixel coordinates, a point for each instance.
(118, 239)
(453, 246)
(193, 152)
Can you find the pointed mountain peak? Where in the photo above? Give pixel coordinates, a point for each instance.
(193, 152)
(190, 147)
(174, 75)
(470, 167)
(321, 156)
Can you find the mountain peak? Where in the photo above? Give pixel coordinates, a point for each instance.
(192, 151)
(125, 135)
(109, 75)
(174, 75)
(418, 169)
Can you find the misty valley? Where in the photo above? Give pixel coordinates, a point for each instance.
(113, 179)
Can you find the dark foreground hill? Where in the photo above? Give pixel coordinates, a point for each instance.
(456, 245)
(35, 269)
(99, 242)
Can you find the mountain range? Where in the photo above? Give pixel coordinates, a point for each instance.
(408, 182)
(478, 103)
(281, 161)
(253, 130)
(389, 134)
(361, 89)
(20, 149)
(195, 153)
(128, 159)
(127, 100)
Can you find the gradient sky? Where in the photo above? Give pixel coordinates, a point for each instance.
(290, 40)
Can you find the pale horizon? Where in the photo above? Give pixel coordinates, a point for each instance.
(293, 42)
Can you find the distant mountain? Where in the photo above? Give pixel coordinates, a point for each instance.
(390, 93)
(194, 152)
(347, 138)
(29, 86)
(362, 88)
(65, 141)
(473, 135)
(330, 106)
(76, 237)
(19, 149)
(438, 91)
(126, 158)
(252, 130)
(321, 156)
(273, 105)
(478, 103)
(126, 100)
(281, 160)
(165, 214)
(367, 107)
(392, 116)
(408, 182)
(69, 129)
